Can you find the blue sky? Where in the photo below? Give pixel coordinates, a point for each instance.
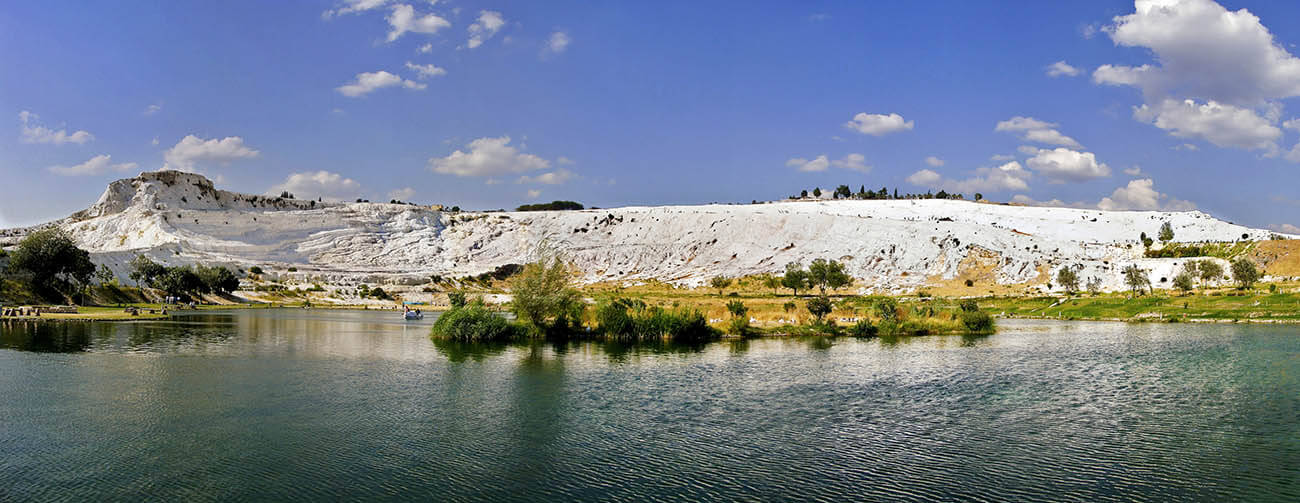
(1169, 104)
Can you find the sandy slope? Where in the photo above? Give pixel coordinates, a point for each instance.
(181, 218)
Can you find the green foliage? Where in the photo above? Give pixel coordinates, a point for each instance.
(796, 278)
(772, 281)
(825, 274)
(217, 279)
(473, 322)
(819, 306)
(180, 281)
(1094, 285)
(737, 309)
(1166, 232)
(720, 283)
(739, 326)
(978, 322)
(380, 294)
(543, 297)
(863, 328)
(887, 309)
(255, 270)
(551, 206)
(1068, 279)
(52, 262)
(789, 306)
(1184, 281)
(1244, 273)
(104, 275)
(968, 306)
(1136, 278)
(1209, 270)
(629, 320)
(456, 299)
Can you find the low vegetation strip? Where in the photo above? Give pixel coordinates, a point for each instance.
(1219, 306)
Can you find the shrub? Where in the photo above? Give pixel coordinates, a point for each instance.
(863, 328)
(1244, 273)
(473, 322)
(819, 307)
(737, 309)
(977, 322)
(970, 283)
(543, 296)
(887, 309)
(628, 320)
(380, 294)
(255, 270)
(456, 299)
(738, 326)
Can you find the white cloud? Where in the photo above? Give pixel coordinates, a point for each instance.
(369, 82)
(1207, 52)
(814, 165)
(1037, 131)
(854, 162)
(1133, 171)
(1142, 195)
(1287, 228)
(487, 25)
(556, 177)
(1112, 75)
(402, 194)
(557, 43)
(1292, 124)
(319, 184)
(564, 161)
(1294, 154)
(1061, 69)
(878, 124)
(934, 161)
(1221, 124)
(488, 157)
(155, 141)
(353, 7)
(1027, 150)
(1186, 146)
(403, 19)
(153, 109)
(1007, 177)
(33, 132)
(426, 71)
(1061, 165)
(94, 166)
(1001, 157)
(534, 193)
(191, 150)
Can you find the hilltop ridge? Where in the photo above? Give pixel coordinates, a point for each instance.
(889, 245)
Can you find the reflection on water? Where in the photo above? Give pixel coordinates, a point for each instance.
(329, 405)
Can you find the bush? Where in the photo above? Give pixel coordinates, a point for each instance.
(739, 326)
(456, 299)
(628, 320)
(473, 322)
(977, 322)
(887, 309)
(255, 270)
(543, 296)
(863, 328)
(819, 307)
(551, 206)
(968, 306)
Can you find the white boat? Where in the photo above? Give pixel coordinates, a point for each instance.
(414, 315)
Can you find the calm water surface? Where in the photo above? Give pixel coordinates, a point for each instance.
(327, 405)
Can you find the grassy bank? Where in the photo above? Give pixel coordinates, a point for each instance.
(1225, 306)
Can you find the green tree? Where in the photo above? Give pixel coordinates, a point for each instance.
(1184, 282)
(1244, 273)
(819, 306)
(817, 192)
(1166, 232)
(825, 274)
(1068, 279)
(543, 296)
(217, 279)
(456, 299)
(145, 271)
(1136, 279)
(104, 275)
(721, 283)
(180, 281)
(773, 282)
(1209, 270)
(978, 196)
(796, 278)
(737, 309)
(887, 309)
(52, 262)
(1094, 285)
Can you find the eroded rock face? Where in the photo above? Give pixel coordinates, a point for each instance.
(179, 217)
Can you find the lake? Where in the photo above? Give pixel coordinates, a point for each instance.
(327, 405)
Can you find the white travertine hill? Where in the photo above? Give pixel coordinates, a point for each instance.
(897, 245)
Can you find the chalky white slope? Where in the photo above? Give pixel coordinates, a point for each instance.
(181, 218)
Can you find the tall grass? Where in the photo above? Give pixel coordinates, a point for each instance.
(473, 322)
(628, 320)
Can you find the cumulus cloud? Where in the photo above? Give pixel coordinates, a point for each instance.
(878, 124)
(94, 166)
(403, 19)
(353, 7)
(934, 161)
(402, 194)
(319, 184)
(820, 163)
(534, 193)
(1141, 195)
(488, 157)
(1007, 177)
(1036, 131)
(152, 109)
(192, 150)
(853, 162)
(368, 82)
(425, 71)
(1186, 146)
(1218, 123)
(557, 43)
(1061, 69)
(556, 177)
(1060, 165)
(488, 24)
(1287, 228)
(33, 132)
(1218, 74)
(1133, 171)
(425, 49)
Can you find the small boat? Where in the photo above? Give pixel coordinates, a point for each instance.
(413, 315)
